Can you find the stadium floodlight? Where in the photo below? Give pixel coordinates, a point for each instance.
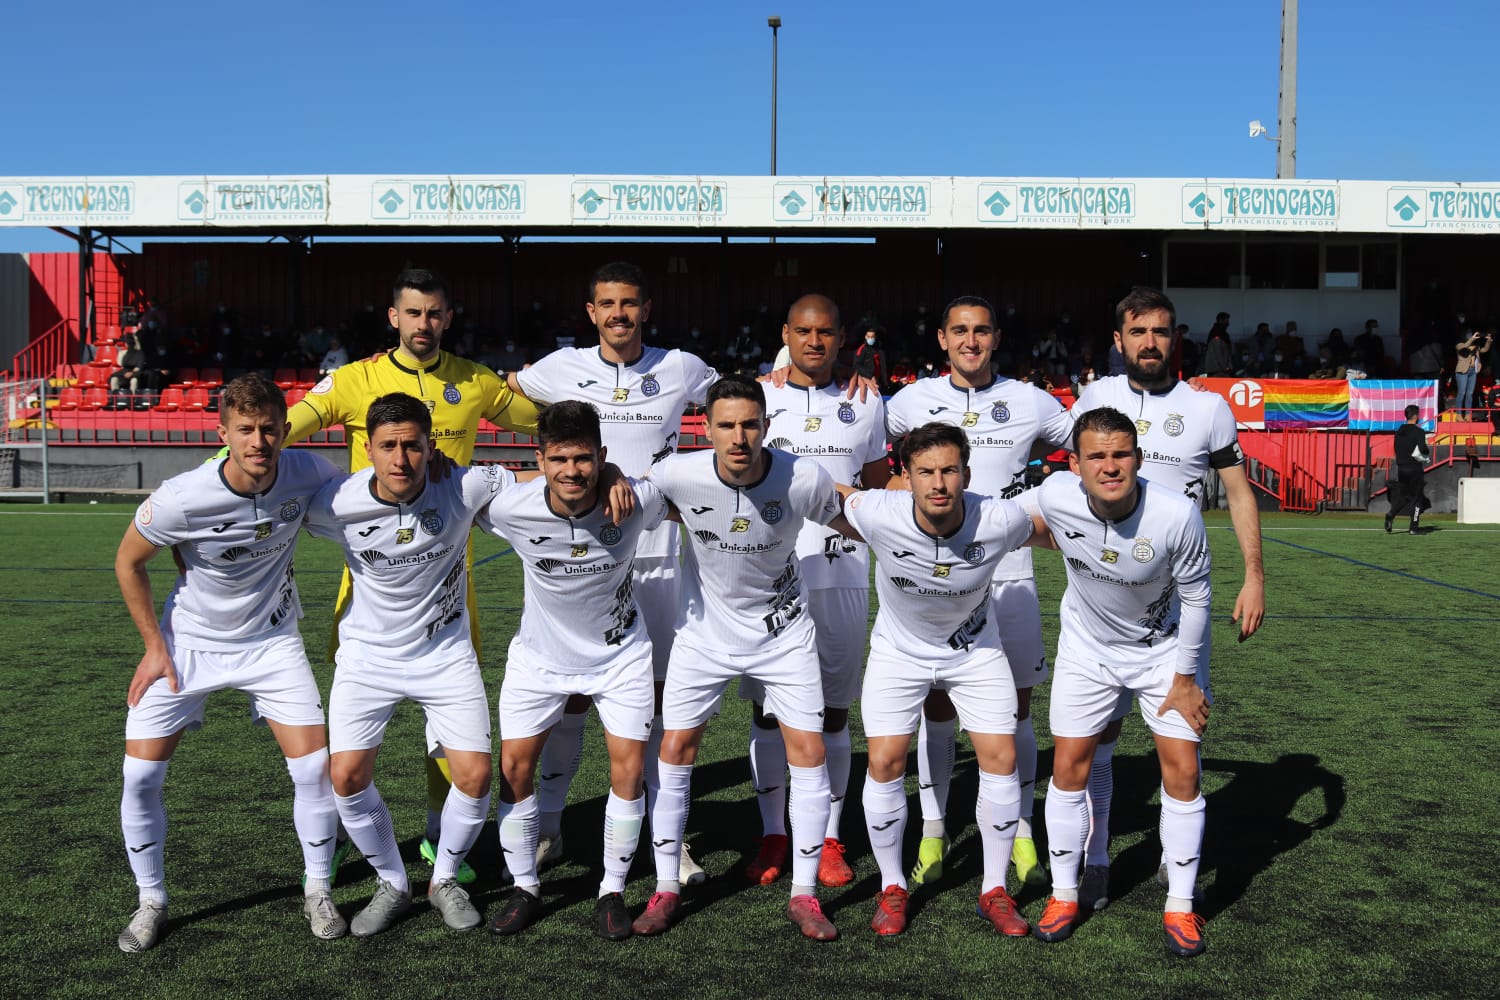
(1257, 129)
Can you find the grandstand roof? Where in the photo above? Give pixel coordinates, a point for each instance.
(598, 204)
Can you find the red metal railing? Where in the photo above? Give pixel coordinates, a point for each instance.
(40, 358)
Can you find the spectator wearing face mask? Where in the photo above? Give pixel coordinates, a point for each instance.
(869, 357)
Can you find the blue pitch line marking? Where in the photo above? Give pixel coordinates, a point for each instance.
(497, 555)
(1383, 569)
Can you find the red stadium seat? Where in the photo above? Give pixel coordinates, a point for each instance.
(285, 377)
(187, 376)
(195, 398)
(69, 398)
(171, 399)
(95, 398)
(307, 376)
(210, 377)
(92, 375)
(107, 354)
(294, 396)
(65, 373)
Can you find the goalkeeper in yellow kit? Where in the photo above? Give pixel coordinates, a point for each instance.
(458, 392)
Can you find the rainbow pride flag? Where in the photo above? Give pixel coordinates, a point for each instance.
(1292, 404)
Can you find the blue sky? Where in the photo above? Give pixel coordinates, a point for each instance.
(1069, 88)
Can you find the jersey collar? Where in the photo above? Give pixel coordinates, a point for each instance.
(248, 496)
(399, 504)
(425, 370)
(599, 353)
(994, 380)
(770, 458)
(963, 499)
(1140, 496)
(1151, 392)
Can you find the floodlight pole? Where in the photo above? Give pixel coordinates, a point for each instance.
(774, 23)
(1286, 112)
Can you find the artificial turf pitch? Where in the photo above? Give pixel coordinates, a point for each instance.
(1350, 769)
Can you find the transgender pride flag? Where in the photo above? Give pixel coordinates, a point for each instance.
(1380, 404)
(1297, 404)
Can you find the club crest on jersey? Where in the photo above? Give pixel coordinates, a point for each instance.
(1142, 426)
(579, 551)
(1000, 413)
(451, 395)
(143, 512)
(619, 395)
(291, 510)
(739, 524)
(405, 535)
(941, 569)
(771, 512)
(1173, 425)
(812, 425)
(971, 419)
(262, 531)
(1142, 550)
(431, 521)
(649, 385)
(846, 413)
(974, 554)
(1109, 556)
(610, 535)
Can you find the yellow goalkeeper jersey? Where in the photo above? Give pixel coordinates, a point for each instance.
(457, 391)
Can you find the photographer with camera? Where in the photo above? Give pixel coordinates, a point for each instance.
(1471, 351)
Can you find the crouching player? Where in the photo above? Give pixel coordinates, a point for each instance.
(229, 622)
(1135, 620)
(406, 635)
(581, 634)
(937, 548)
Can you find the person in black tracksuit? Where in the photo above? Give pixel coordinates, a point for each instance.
(1409, 488)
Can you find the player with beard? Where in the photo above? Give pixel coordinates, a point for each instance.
(817, 420)
(640, 393)
(1183, 434)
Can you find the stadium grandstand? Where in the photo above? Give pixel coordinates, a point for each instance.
(1338, 302)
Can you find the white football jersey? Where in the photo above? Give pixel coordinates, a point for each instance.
(1182, 433)
(934, 592)
(842, 435)
(1137, 587)
(1002, 420)
(640, 407)
(237, 548)
(742, 584)
(580, 614)
(407, 562)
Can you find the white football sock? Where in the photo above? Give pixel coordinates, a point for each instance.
(937, 748)
(885, 822)
(1026, 773)
(768, 775)
(809, 808)
(143, 821)
(1181, 832)
(653, 758)
(315, 816)
(1067, 829)
(622, 833)
(368, 823)
(836, 754)
(463, 818)
(555, 769)
(668, 823)
(998, 812)
(518, 823)
(1101, 793)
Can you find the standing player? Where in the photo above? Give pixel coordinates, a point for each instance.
(1135, 620)
(581, 634)
(1412, 456)
(1003, 419)
(743, 615)
(456, 391)
(405, 635)
(229, 622)
(1183, 434)
(938, 547)
(846, 436)
(640, 393)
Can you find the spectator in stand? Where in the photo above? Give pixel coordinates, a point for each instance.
(744, 351)
(311, 346)
(1471, 351)
(1052, 354)
(162, 363)
(1369, 350)
(1336, 346)
(133, 375)
(869, 357)
(1280, 367)
(1426, 361)
(1249, 367)
(1116, 360)
(1262, 344)
(334, 358)
(1192, 357)
(512, 359)
(1218, 354)
(1292, 347)
(927, 369)
(1327, 367)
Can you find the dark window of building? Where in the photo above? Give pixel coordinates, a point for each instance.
(1281, 265)
(1203, 265)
